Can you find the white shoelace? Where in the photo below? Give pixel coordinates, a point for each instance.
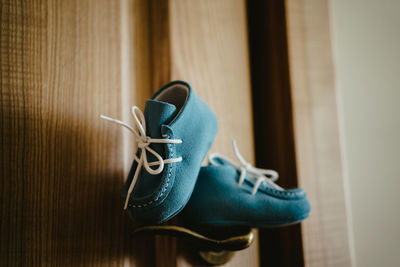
(261, 175)
(143, 142)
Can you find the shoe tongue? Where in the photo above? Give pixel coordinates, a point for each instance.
(157, 113)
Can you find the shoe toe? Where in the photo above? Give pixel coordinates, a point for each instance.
(297, 209)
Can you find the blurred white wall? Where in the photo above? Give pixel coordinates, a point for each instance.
(366, 44)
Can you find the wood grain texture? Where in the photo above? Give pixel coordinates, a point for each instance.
(209, 48)
(325, 232)
(273, 121)
(160, 68)
(62, 64)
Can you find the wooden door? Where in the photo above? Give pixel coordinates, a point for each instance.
(65, 62)
(327, 238)
(62, 64)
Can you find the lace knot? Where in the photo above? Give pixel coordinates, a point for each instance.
(246, 169)
(247, 166)
(143, 143)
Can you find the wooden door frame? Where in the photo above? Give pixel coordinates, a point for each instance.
(63, 64)
(297, 130)
(273, 122)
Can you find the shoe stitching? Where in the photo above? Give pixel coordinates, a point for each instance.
(282, 193)
(262, 175)
(164, 189)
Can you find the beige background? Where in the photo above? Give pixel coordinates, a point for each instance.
(366, 40)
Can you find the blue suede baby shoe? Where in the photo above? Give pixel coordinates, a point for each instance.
(229, 194)
(174, 134)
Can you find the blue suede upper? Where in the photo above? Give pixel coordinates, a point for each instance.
(219, 200)
(157, 198)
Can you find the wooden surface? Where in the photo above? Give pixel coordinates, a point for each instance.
(209, 48)
(62, 64)
(325, 234)
(273, 121)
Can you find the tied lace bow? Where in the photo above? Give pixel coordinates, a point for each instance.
(261, 175)
(143, 142)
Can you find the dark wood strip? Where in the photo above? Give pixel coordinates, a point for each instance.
(273, 123)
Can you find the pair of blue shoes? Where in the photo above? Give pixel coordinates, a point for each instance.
(174, 135)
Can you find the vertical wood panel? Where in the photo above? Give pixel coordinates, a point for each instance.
(62, 65)
(209, 49)
(160, 69)
(273, 121)
(325, 233)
